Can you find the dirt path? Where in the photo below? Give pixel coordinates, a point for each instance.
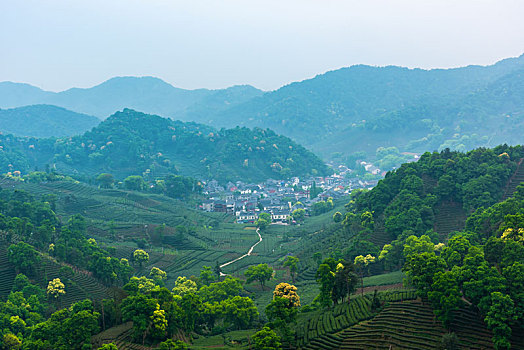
(243, 256)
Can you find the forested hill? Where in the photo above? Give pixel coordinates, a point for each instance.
(134, 143)
(44, 121)
(454, 223)
(412, 109)
(359, 107)
(148, 94)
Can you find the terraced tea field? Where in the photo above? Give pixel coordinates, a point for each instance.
(320, 330)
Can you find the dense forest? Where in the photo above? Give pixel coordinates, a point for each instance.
(133, 143)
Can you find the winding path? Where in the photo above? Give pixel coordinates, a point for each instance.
(243, 256)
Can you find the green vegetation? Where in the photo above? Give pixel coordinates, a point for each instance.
(151, 266)
(44, 121)
(132, 143)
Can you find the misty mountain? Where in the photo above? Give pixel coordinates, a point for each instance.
(363, 108)
(134, 143)
(336, 114)
(148, 94)
(44, 121)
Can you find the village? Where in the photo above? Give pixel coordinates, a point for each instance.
(281, 199)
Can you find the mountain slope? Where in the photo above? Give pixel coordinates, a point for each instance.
(386, 106)
(44, 121)
(131, 143)
(148, 94)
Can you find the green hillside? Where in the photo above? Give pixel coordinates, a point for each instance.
(451, 221)
(44, 121)
(363, 108)
(133, 143)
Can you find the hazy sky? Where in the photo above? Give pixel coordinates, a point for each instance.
(57, 44)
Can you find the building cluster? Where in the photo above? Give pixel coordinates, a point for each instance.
(278, 198)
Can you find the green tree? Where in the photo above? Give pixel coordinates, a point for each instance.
(206, 275)
(79, 328)
(157, 275)
(421, 269)
(11, 342)
(23, 256)
(345, 282)
(260, 273)
(171, 344)
(498, 319)
(363, 262)
(263, 221)
(239, 311)
(292, 263)
(135, 182)
(184, 285)
(56, 288)
(140, 256)
(338, 217)
(108, 346)
(105, 180)
(139, 309)
(445, 296)
(298, 215)
(266, 339)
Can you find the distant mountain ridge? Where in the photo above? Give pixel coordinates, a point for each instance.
(335, 114)
(44, 121)
(148, 94)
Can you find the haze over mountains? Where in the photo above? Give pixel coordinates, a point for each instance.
(44, 121)
(134, 143)
(335, 114)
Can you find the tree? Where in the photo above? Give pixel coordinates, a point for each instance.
(157, 275)
(345, 282)
(109, 346)
(105, 180)
(281, 315)
(184, 285)
(292, 263)
(362, 262)
(240, 311)
(366, 220)
(23, 256)
(11, 342)
(289, 292)
(445, 296)
(79, 327)
(318, 258)
(260, 273)
(298, 214)
(206, 275)
(325, 277)
(56, 288)
(171, 344)
(266, 339)
(416, 245)
(449, 341)
(158, 323)
(140, 256)
(421, 269)
(217, 270)
(135, 182)
(139, 309)
(500, 315)
(264, 220)
(338, 217)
